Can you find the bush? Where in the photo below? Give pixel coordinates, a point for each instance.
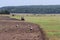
(13, 15)
(22, 19)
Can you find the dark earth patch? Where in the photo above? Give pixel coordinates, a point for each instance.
(16, 30)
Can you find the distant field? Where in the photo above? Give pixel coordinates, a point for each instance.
(49, 23)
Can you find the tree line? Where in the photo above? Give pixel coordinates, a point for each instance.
(4, 12)
(49, 9)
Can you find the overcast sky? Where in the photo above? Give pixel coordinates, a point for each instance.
(28, 2)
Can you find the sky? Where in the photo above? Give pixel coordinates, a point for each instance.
(28, 2)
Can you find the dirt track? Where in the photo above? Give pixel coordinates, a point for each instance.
(10, 31)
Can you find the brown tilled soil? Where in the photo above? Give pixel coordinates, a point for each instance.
(15, 30)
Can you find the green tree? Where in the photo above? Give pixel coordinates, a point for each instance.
(4, 12)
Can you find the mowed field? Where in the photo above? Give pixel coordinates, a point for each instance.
(50, 23)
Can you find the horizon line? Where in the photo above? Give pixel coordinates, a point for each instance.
(29, 5)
